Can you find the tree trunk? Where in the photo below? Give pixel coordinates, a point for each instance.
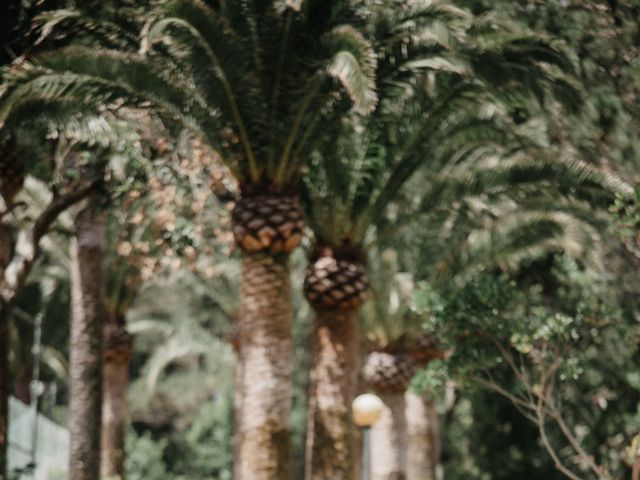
(115, 381)
(423, 440)
(265, 368)
(389, 439)
(114, 418)
(22, 389)
(6, 241)
(331, 450)
(87, 283)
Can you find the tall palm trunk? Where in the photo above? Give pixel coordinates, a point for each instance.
(423, 438)
(330, 433)
(389, 439)
(265, 368)
(87, 256)
(115, 381)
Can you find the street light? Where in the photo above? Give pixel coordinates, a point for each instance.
(366, 411)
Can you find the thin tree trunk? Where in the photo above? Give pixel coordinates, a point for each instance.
(22, 387)
(115, 381)
(6, 240)
(423, 440)
(114, 418)
(265, 368)
(389, 439)
(87, 255)
(331, 450)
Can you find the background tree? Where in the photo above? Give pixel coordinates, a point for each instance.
(442, 98)
(396, 348)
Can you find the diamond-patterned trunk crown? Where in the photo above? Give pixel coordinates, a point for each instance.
(268, 223)
(387, 372)
(335, 284)
(426, 347)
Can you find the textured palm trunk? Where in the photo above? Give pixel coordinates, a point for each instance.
(87, 255)
(114, 418)
(389, 439)
(265, 367)
(331, 449)
(6, 240)
(115, 381)
(423, 438)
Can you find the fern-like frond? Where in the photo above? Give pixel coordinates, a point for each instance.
(514, 237)
(67, 21)
(89, 78)
(352, 61)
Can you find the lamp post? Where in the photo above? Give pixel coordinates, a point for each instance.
(366, 411)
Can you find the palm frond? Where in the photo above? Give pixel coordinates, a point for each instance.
(523, 234)
(107, 33)
(89, 78)
(352, 61)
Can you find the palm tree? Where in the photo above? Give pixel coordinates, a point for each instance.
(423, 437)
(147, 232)
(439, 107)
(257, 81)
(397, 349)
(21, 239)
(87, 316)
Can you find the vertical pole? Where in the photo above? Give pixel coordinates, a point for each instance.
(366, 453)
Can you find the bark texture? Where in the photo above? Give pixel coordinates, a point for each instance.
(265, 367)
(115, 381)
(87, 255)
(389, 439)
(331, 449)
(423, 438)
(114, 418)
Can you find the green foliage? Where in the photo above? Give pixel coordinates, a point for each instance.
(145, 457)
(626, 211)
(207, 451)
(204, 67)
(555, 333)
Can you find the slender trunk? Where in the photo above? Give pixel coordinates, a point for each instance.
(331, 451)
(114, 418)
(423, 438)
(87, 255)
(115, 381)
(22, 384)
(265, 362)
(389, 439)
(6, 241)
